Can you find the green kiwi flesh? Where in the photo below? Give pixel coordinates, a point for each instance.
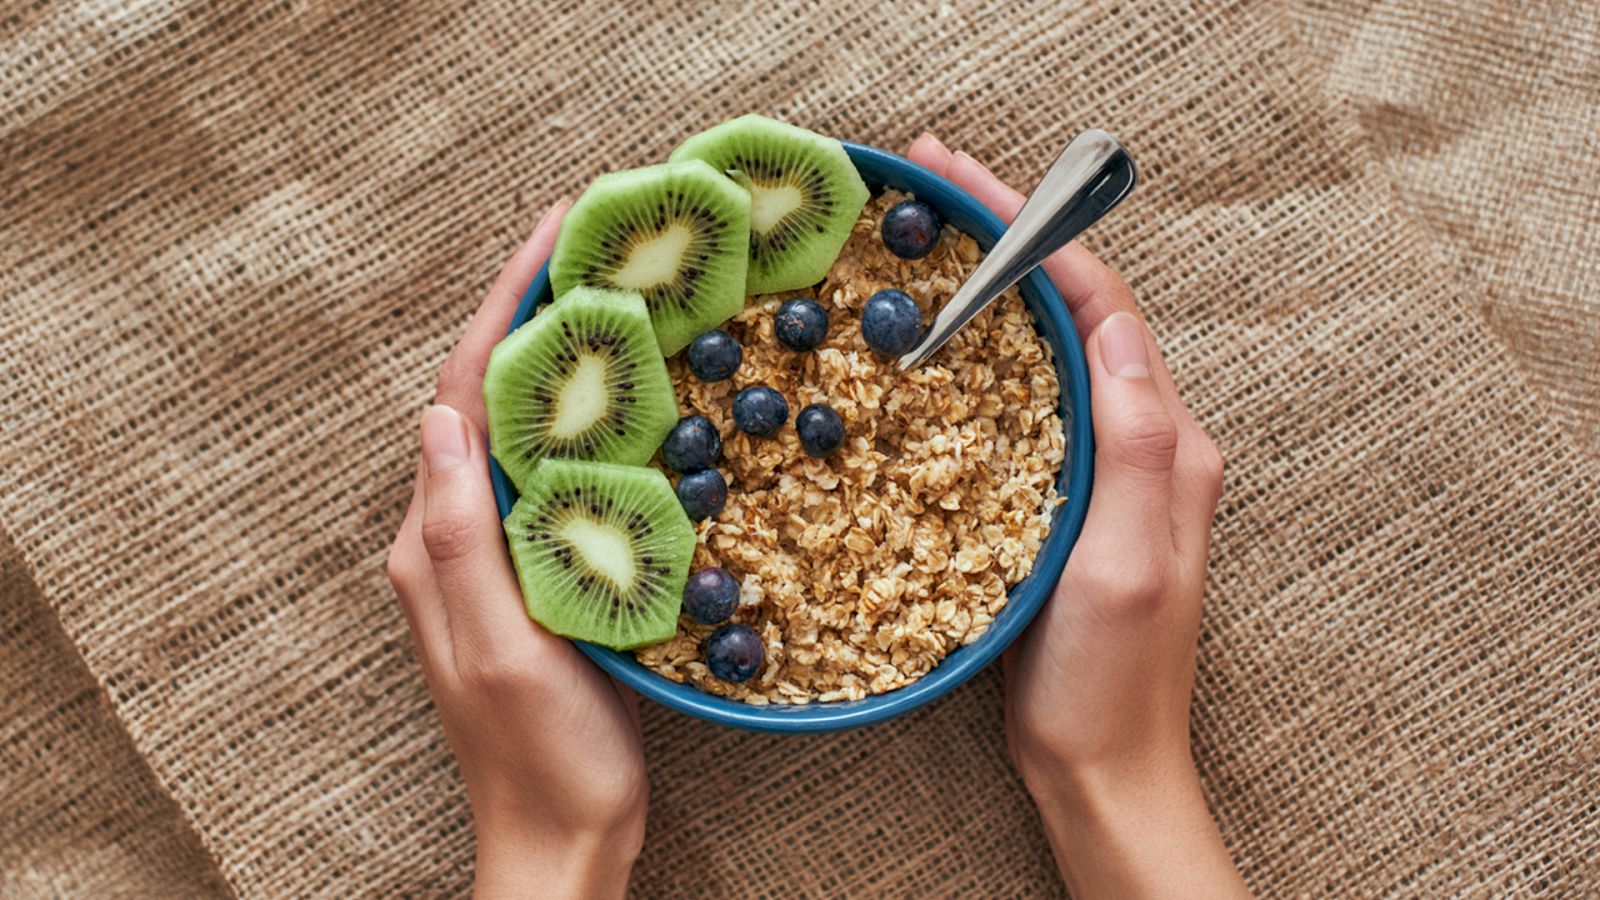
(602, 552)
(805, 196)
(675, 233)
(582, 379)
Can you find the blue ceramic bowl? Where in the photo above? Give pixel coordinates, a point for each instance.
(959, 208)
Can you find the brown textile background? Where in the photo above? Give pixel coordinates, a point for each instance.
(82, 815)
(1486, 118)
(239, 239)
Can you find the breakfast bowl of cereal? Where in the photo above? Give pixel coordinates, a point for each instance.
(715, 478)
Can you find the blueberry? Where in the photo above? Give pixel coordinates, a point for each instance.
(702, 493)
(734, 652)
(821, 432)
(801, 324)
(711, 595)
(714, 355)
(911, 229)
(760, 410)
(692, 444)
(891, 323)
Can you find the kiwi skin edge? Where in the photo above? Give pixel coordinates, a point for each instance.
(561, 589)
(530, 374)
(768, 157)
(611, 236)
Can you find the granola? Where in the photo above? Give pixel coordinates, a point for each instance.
(863, 570)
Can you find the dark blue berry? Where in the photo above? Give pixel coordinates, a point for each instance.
(714, 356)
(801, 324)
(702, 493)
(711, 595)
(760, 410)
(692, 444)
(911, 229)
(891, 323)
(821, 432)
(734, 652)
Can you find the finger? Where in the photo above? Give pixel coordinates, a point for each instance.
(460, 385)
(411, 575)
(630, 702)
(1197, 487)
(930, 153)
(466, 545)
(1136, 442)
(1093, 293)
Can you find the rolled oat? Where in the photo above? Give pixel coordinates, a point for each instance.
(863, 570)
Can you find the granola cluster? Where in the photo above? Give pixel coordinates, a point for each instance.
(863, 570)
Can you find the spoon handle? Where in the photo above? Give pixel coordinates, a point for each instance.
(1092, 175)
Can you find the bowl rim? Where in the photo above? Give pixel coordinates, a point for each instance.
(1055, 324)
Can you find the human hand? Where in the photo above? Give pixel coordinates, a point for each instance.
(548, 746)
(1097, 690)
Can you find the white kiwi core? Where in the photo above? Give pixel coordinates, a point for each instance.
(604, 548)
(582, 400)
(770, 203)
(654, 261)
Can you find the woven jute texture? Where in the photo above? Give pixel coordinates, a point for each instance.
(239, 239)
(1486, 117)
(82, 814)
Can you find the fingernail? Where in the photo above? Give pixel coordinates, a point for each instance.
(928, 136)
(968, 157)
(550, 211)
(444, 439)
(1123, 348)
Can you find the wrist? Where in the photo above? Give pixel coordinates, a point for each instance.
(1068, 766)
(1135, 828)
(1101, 795)
(524, 862)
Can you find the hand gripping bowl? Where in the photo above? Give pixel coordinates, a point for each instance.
(880, 168)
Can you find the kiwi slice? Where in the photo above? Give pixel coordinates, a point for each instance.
(581, 379)
(805, 195)
(602, 552)
(673, 233)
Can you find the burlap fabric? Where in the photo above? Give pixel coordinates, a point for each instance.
(82, 815)
(237, 242)
(1485, 118)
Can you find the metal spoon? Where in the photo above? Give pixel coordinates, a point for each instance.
(1092, 175)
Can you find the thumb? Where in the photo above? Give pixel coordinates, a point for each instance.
(462, 533)
(1136, 441)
